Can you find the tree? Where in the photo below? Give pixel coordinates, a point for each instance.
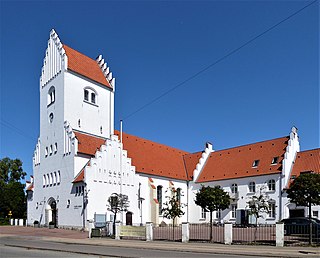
(305, 191)
(11, 170)
(117, 203)
(258, 204)
(172, 208)
(12, 196)
(212, 199)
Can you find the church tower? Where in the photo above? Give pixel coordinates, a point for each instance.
(76, 95)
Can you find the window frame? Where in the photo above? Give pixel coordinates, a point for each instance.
(271, 185)
(159, 197)
(233, 209)
(234, 188)
(252, 187)
(51, 96)
(90, 96)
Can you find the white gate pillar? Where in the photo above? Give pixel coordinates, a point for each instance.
(185, 232)
(228, 233)
(149, 231)
(280, 234)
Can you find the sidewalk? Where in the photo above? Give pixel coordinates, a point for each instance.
(76, 237)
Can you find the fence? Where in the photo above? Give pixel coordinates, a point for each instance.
(201, 232)
(260, 234)
(167, 232)
(278, 234)
(299, 234)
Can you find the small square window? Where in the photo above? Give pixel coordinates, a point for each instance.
(275, 160)
(255, 163)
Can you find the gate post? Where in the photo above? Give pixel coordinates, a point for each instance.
(228, 233)
(149, 231)
(185, 232)
(117, 234)
(280, 234)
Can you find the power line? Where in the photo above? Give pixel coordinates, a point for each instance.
(17, 130)
(218, 61)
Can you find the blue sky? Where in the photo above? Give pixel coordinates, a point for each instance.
(255, 94)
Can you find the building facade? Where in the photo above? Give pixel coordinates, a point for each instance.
(80, 160)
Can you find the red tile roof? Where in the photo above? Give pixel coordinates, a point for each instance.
(84, 65)
(80, 176)
(237, 162)
(306, 161)
(154, 158)
(191, 160)
(88, 144)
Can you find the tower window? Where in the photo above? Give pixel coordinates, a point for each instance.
(51, 96)
(90, 95)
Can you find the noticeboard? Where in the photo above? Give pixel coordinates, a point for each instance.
(133, 231)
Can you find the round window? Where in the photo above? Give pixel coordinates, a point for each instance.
(51, 117)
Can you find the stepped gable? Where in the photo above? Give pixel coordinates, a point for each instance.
(306, 161)
(190, 161)
(85, 66)
(88, 144)
(154, 158)
(238, 162)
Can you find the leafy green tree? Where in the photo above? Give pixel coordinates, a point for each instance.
(258, 204)
(12, 196)
(172, 208)
(305, 190)
(212, 199)
(117, 203)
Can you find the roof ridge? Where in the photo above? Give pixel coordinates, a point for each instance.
(89, 134)
(315, 149)
(144, 139)
(252, 143)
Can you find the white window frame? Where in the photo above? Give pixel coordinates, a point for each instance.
(160, 197)
(51, 96)
(271, 185)
(272, 210)
(203, 213)
(92, 96)
(234, 188)
(233, 211)
(252, 187)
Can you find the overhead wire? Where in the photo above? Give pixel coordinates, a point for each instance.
(217, 61)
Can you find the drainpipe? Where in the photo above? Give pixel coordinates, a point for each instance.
(280, 197)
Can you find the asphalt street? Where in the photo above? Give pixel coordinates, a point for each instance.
(15, 247)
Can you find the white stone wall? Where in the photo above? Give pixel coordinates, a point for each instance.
(242, 198)
(83, 115)
(104, 177)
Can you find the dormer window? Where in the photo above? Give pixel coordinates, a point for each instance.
(51, 96)
(275, 160)
(90, 95)
(255, 163)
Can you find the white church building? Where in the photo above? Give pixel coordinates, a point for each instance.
(80, 160)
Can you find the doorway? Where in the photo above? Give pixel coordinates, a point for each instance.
(129, 218)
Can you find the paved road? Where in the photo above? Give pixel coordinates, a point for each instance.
(8, 251)
(11, 244)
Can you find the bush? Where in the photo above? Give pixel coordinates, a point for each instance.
(4, 221)
(36, 222)
(51, 223)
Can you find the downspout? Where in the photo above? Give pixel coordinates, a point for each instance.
(187, 182)
(280, 198)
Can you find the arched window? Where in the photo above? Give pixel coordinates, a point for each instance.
(93, 97)
(90, 95)
(234, 188)
(159, 198)
(51, 96)
(58, 177)
(86, 95)
(252, 187)
(271, 185)
(44, 180)
(54, 178)
(179, 196)
(47, 180)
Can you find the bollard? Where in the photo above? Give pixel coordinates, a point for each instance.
(280, 234)
(185, 232)
(11, 222)
(149, 231)
(16, 222)
(20, 222)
